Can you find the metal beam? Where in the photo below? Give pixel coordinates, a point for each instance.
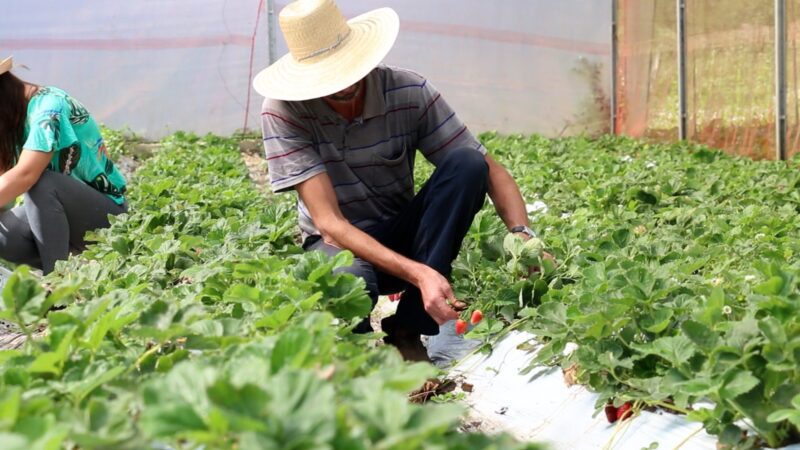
(780, 79)
(272, 30)
(681, 25)
(614, 62)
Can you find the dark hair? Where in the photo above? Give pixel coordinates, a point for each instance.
(13, 112)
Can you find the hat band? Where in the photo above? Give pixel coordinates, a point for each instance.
(339, 40)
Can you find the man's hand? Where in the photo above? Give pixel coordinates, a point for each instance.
(437, 296)
(545, 256)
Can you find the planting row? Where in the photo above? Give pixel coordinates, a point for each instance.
(677, 277)
(195, 322)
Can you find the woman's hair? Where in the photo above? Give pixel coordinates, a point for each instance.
(13, 112)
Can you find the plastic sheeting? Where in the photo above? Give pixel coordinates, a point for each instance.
(157, 66)
(793, 77)
(730, 73)
(538, 406)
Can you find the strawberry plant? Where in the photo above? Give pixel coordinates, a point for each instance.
(676, 276)
(195, 321)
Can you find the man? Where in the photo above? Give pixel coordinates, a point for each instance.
(343, 131)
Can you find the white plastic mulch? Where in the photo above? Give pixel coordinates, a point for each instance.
(540, 407)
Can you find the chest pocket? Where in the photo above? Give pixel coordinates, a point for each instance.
(391, 168)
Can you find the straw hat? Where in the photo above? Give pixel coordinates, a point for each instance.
(327, 53)
(5, 65)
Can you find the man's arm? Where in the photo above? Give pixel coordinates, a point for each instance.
(319, 196)
(506, 196)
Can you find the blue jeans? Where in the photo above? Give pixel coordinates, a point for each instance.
(430, 230)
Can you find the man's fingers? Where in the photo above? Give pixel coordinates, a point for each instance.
(458, 305)
(441, 312)
(447, 314)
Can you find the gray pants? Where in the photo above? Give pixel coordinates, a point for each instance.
(56, 214)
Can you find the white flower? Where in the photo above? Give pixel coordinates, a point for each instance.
(727, 310)
(650, 164)
(566, 215)
(626, 158)
(717, 281)
(749, 277)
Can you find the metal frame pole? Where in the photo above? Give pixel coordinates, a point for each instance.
(614, 62)
(271, 31)
(780, 80)
(682, 115)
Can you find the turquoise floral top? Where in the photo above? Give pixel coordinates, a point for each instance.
(59, 124)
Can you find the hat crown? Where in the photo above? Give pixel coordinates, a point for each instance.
(313, 28)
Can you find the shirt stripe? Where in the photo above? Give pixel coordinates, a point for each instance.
(267, 113)
(369, 159)
(290, 152)
(439, 126)
(427, 108)
(297, 174)
(420, 85)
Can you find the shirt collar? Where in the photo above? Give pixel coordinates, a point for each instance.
(374, 103)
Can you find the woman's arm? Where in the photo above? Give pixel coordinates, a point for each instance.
(20, 178)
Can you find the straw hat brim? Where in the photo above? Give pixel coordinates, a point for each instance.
(6, 64)
(371, 37)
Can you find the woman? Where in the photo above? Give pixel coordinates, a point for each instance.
(52, 154)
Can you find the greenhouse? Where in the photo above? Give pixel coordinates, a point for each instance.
(346, 224)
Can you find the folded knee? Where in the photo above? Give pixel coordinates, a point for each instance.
(469, 164)
(46, 186)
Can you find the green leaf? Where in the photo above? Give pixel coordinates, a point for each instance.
(278, 318)
(10, 401)
(513, 245)
(792, 415)
(656, 321)
(170, 420)
(675, 349)
(701, 335)
(98, 377)
(739, 382)
(773, 286)
(47, 362)
(242, 293)
(773, 330)
(293, 347)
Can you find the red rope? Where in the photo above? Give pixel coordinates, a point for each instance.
(250, 68)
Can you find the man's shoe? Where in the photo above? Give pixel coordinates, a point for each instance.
(406, 342)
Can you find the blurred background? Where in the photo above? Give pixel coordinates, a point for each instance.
(516, 66)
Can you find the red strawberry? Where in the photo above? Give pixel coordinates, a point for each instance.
(477, 316)
(461, 326)
(395, 297)
(611, 412)
(624, 411)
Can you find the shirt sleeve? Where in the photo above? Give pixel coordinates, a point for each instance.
(290, 153)
(440, 130)
(49, 127)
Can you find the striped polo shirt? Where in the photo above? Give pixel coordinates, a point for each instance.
(370, 160)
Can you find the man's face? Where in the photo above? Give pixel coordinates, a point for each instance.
(347, 94)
